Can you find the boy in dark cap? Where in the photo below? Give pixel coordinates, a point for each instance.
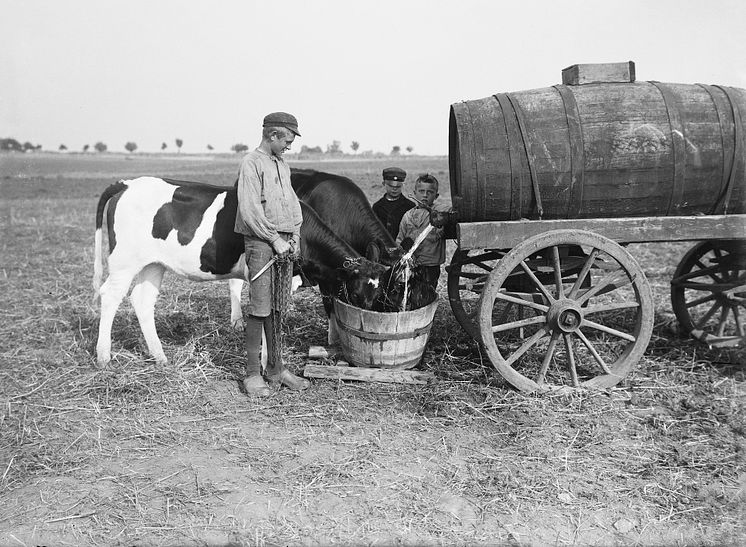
(392, 206)
(269, 217)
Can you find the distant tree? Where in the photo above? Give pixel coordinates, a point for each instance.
(238, 148)
(355, 145)
(86, 147)
(100, 147)
(63, 148)
(28, 146)
(209, 147)
(11, 144)
(308, 150)
(410, 148)
(130, 147)
(163, 146)
(333, 148)
(396, 150)
(179, 142)
(37, 147)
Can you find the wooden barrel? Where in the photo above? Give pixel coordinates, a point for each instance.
(383, 340)
(599, 150)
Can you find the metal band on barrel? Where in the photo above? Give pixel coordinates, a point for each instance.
(678, 147)
(577, 153)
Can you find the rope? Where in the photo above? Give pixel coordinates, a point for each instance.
(280, 299)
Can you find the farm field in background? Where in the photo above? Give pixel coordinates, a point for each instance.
(139, 454)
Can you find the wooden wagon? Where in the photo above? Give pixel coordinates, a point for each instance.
(548, 188)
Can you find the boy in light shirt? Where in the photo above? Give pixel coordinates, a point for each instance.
(432, 251)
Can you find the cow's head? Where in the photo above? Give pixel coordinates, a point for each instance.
(360, 281)
(393, 282)
(377, 251)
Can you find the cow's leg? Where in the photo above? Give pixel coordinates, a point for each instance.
(332, 337)
(112, 292)
(333, 334)
(235, 286)
(143, 297)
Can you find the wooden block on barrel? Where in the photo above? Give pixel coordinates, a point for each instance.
(596, 73)
(365, 374)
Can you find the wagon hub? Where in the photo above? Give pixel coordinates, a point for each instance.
(565, 315)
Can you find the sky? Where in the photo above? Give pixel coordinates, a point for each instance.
(380, 72)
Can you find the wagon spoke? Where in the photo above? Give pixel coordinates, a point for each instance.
(521, 302)
(610, 307)
(593, 351)
(607, 284)
(571, 360)
(583, 273)
(539, 284)
(528, 344)
(608, 330)
(541, 376)
(482, 265)
(709, 271)
(739, 322)
(557, 271)
(535, 320)
(702, 300)
(702, 266)
(474, 275)
(711, 287)
(723, 319)
(706, 317)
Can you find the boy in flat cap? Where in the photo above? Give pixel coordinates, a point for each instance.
(392, 206)
(269, 217)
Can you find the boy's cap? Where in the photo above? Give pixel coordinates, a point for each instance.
(281, 119)
(394, 173)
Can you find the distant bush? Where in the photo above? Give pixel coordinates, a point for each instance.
(100, 147)
(308, 150)
(237, 148)
(130, 146)
(11, 144)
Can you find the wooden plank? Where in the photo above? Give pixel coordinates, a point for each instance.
(364, 374)
(594, 73)
(507, 234)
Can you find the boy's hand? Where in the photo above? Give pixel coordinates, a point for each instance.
(281, 247)
(441, 218)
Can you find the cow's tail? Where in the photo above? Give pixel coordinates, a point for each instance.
(98, 257)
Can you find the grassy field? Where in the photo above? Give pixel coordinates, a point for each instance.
(139, 454)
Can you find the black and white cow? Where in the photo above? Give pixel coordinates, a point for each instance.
(158, 224)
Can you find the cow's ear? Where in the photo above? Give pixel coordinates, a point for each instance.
(373, 252)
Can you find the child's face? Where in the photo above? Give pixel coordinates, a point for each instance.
(426, 193)
(393, 188)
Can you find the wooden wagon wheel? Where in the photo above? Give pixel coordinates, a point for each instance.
(708, 292)
(467, 274)
(567, 332)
